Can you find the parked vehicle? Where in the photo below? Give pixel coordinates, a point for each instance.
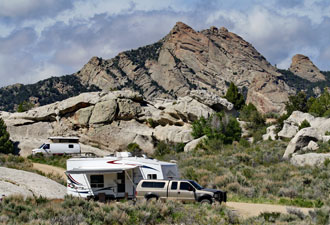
(183, 190)
(59, 146)
(114, 177)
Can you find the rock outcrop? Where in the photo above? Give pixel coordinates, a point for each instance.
(18, 182)
(291, 125)
(310, 159)
(110, 121)
(303, 67)
(270, 134)
(302, 138)
(187, 60)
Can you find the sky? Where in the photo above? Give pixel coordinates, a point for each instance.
(44, 38)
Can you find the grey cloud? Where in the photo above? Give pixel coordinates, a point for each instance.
(15, 10)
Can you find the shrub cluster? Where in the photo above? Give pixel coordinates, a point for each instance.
(218, 127)
(255, 173)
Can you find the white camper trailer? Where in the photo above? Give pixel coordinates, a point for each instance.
(59, 146)
(114, 177)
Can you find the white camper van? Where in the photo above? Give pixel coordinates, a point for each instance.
(114, 177)
(59, 146)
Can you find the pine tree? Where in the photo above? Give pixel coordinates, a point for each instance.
(235, 97)
(6, 145)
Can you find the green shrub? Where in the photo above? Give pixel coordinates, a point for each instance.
(304, 124)
(152, 123)
(321, 106)
(24, 106)
(162, 149)
(134, 149)
(6, 145)
(218, 126)
(235, 97)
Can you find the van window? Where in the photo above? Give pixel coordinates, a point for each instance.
(174, 185)
(185, 186)
(149, 184)
(152, 176)
(70, 146)
(46, 146)
(97, 181)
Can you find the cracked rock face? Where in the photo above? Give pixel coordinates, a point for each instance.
(110, 121)
(186, 60)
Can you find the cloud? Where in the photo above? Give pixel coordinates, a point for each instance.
(42, 38)
(278, 37)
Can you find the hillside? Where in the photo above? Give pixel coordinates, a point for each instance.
(43, 92)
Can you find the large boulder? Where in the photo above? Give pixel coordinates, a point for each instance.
(104, 112)
(211, 100)
(302, 139)
(128, 109)
(117, 135)
(310, 159)
(82, 116)
(188, 109)
(174, 134)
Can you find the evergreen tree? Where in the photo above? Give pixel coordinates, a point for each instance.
(234, 96)
(6, 146)
(297, 103)
(321, 106)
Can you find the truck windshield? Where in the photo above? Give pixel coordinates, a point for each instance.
(196, 185)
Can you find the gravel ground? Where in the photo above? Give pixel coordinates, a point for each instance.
(14, 182)
(252, 209)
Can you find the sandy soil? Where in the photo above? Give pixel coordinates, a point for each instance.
(50, 169)
(252, 209)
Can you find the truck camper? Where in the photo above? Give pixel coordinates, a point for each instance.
(59, 146)
(114, 177)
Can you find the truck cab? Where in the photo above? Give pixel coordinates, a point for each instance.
(182, 190)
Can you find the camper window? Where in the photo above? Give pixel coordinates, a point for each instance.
(152, 176)
(46, 146)
(70, 146)
(97, 181)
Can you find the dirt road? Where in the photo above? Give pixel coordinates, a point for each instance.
(252, 209)
(50, 169)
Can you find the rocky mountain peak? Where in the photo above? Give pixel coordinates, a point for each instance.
(303, 67)
(95, 61)
(181, 27)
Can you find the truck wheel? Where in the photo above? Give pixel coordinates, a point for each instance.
(152, 199)
(205, 201)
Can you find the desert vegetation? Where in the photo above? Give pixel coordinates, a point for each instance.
(38, 210)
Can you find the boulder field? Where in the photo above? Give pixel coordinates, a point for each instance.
(112, 120)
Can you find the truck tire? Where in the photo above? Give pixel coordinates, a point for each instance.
(205, 201)
(151, 198)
